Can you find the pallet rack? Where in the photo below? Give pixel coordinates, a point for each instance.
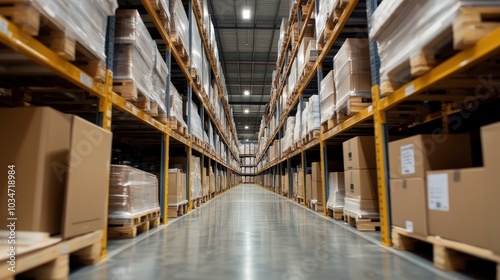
(373, 120)
(111, 105)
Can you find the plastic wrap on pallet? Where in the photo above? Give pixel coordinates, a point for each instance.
(159, 79)
(196, 48)
(288, 139)
(327, 97)
(206, 74)
(164, 6)
(360, 207)
(206, 15)
(130, 64)
(313, 116)
(298, 123)
(283, 30)
(196, 125)
(352, 71)
(176, 105)
(336, 195)
(302, 55)
(326, 8)
(292, 77)
(131, 192)
(196, 188)
(179, 25)
(305, 121)
(130, 29)
(418, 24)
(83, 21)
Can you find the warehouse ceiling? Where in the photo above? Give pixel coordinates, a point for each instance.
(248, 52)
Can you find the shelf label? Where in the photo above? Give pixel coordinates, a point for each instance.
(134, 111)
(407, 159)
(4, 27)
(410, 90)
(409, 226)
(86, 80)
(438, 195)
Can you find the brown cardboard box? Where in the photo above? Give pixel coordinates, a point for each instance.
(309, 186)
(490, 136)
(62, 166)
(317, 191)
(176, 187)
(359, 153)
(457, 206)
(361, 183)
(409, 205)
(413, 156)
(316, 171)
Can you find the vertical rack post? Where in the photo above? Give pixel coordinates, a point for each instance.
(164, 178)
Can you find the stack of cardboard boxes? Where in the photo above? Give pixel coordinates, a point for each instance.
(337, 191)
(176, 186)
(317, 186)
(361, 193)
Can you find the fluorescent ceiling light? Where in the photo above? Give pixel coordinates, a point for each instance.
(246, 92)
(246, 111)
(247, 140)
(246, 14)
(246, 126)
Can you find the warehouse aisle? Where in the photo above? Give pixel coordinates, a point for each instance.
(251, 233)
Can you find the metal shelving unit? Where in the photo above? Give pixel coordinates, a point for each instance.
(35, 51)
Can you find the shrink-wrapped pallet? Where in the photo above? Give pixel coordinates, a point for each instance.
(179, 25)
(196, 188)
(352, 71)
(292, 77)
(326, 8)
(405, 29)
(196, 48)
(313, 116)
(159, 79)
(327, 97)
(305, 121)
(83, 21)
(176, 105)
(130, 29)
(131, 192)
(336, 190)
(298, 123)
(196, 125)
(206, 75)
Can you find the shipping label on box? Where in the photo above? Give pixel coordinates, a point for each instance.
(438, 195)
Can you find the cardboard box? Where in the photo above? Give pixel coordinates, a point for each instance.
(62, 165)
(457, 205)
(361, 183)
(316, 171)
(409, 205)
(491, 157)
(176, 187)
(359, 153)
(317, 191)
(413, 156)
(309, 186)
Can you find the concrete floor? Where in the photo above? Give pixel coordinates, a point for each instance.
(251, 233)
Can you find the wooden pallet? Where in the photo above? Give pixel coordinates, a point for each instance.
(132, 231)
(53, 260)
(316, 206)
(331, 22)
(336, 214)
(161, 12)
(177, 126)
(162, 116)
(197, 202)
(353, 105)
(447, 254)
(31, 22)
(136, 219)
(369, 223)
(180, 48)
(299, 199)
(177, 210)
(470, 25)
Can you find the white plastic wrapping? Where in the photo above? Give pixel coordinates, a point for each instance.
(196, 188)
(313, 116)
(179, 25)
(327, 97)
(196, 125)
(402, 28)
(292, 77)
(298, 123)
(131, 192)
(196, 48)
(352, 71)
(130, 29)
(362, 208)
(206, 74)
(336, 188)
(129, 64)
(176, 104)
(326, 8)
(288, 139)
(84, 21)
(159, 79)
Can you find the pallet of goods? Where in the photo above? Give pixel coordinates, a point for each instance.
(133, 202)
(335, 203)
(413, 36)
(352, 77)
(177, 203)
(179, 30)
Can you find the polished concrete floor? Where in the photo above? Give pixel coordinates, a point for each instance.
(251, 233)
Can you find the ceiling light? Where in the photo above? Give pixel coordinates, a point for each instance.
(246, 126)
(246, 14)
(246, 92)
(247, 140)
(246, 111)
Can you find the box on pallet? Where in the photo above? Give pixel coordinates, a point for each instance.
(176, 186)
(408, 204)
(491, 158)
(309, 190)
(359, 153)
(337, 190)
(361, 183)
(455, 196)
(62, 165)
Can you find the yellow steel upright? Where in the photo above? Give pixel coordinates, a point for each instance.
(189, 180)
(380, 122)
(165, 176)
(105, 108)
(324, 184)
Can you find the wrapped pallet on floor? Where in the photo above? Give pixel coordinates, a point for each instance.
(133, 201)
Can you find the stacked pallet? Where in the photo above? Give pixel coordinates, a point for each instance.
(133, 202)
(352, 77)
(410, 34)
(179, 30)
(327, 102)
(177, 203)
(336, 195)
